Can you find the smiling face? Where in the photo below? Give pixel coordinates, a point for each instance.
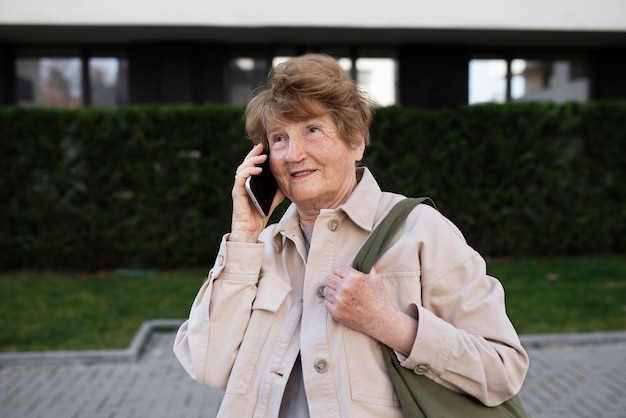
(313, 165)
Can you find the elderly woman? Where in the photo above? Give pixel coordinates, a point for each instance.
(286, 327)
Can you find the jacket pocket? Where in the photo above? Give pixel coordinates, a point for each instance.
(369, 380)
(369, 377)
(271, 294)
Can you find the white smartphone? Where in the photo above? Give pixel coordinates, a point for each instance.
(262, 188)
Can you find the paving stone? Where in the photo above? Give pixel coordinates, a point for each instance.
(581, 379)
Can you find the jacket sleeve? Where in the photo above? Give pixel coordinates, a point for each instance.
(208, 342)
(465, 340)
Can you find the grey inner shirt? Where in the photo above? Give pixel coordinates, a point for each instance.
(294, 404)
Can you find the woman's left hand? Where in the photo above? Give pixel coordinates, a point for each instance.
(360, 301)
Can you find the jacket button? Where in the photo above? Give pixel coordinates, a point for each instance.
(333, 224)
(220, 260)
(321, 366)
(320, 291)
(421, 369)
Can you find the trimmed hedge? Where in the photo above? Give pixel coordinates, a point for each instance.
(150, 186)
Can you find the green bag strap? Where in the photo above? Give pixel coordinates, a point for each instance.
(375, 244)
(418, 395)
(382, 234)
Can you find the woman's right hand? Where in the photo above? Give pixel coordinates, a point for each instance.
(247, 222)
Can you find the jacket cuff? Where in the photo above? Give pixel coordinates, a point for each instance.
(433, 344)
(238, 261)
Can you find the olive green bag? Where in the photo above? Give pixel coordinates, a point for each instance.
(419, 395)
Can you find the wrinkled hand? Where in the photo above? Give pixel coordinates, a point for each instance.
(357, 300)
(247, 223)
(360, 301)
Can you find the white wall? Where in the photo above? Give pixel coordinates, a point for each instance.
(578, 15)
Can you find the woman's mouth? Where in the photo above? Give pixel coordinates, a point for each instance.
(301, 174)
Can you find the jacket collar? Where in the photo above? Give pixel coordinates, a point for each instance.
(361, 207)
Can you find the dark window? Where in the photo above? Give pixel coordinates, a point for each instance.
(56, 80)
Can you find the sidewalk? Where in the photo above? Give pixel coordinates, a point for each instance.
(579, 375)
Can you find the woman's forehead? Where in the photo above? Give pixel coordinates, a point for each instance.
(279, 123)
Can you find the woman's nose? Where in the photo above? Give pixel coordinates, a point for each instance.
(296, 149)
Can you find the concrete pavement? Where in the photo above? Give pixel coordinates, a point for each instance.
(581, 375)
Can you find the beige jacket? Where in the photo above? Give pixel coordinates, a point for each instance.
(243, 333)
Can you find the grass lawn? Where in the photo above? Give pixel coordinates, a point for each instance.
(566, 295)
(56, 311)
(73, 312)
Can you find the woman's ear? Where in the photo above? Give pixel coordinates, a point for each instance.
(359, 149)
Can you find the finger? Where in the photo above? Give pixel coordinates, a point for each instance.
(329, 294)
(256, 155)
(345, 270)
(341, 271)
(256, 150)
(330, 308)
(333, 281)
(249, 165)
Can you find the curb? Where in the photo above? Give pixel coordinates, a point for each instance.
(130, 354)
(556, 340)
(136, 347)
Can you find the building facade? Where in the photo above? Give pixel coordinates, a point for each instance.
(430, 54)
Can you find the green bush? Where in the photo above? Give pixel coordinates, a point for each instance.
(150, 186)
(524, 179)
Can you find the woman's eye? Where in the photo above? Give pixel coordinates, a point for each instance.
(276, 138)
(314, 129)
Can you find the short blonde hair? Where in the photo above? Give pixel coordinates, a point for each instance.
(308, 87)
